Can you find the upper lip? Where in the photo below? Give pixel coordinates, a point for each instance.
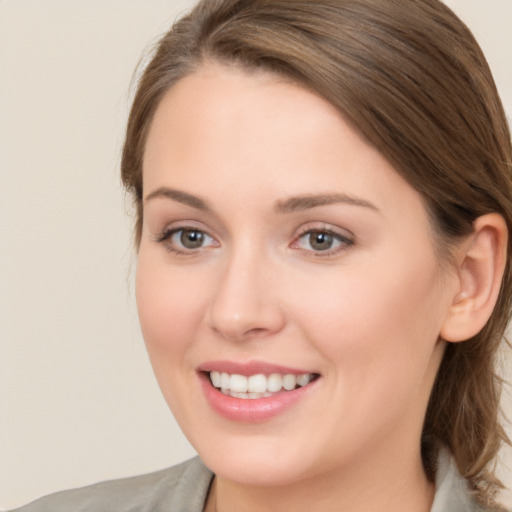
(249, 368)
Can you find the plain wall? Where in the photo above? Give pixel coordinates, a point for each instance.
(78, 401)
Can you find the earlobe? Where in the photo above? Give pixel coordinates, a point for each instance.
(480, 272)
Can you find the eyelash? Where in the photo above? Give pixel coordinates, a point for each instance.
(165, 238)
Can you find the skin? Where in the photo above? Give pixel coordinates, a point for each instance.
(366, 314)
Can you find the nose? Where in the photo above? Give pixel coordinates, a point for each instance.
(245, 303)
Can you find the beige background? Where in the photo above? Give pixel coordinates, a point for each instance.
(78, 402)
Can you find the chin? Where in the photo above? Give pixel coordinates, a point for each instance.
(259, 461)
(259, 472)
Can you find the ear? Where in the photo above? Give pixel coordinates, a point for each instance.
(481, 263)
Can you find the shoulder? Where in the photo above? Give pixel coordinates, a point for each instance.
(182, 488)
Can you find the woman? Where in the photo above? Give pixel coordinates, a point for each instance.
(323, 201)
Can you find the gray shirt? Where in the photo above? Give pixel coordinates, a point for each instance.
(183, 488)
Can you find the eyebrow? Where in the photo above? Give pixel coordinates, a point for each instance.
(301, 203)
(293, 204)
(179, 196)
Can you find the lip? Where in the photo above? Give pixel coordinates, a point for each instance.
(249, 368)
(251, 410)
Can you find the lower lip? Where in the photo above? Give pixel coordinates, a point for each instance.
(251, 410)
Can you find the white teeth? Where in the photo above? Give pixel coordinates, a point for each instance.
(304, 379)
(238, 383)
(274, 382)
(216, 379)
(259, 385)
(289, 382)
(235, 394)
(224, 380)
(247, 396)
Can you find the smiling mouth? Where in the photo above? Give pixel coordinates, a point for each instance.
(258, 385)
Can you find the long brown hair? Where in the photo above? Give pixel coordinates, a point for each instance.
(409, 75)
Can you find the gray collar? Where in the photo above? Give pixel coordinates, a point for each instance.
(452, 491)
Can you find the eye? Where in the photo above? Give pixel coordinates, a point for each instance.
(190, 238)
(183, 240)
(322, 241)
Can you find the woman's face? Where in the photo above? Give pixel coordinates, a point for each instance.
(276, 241)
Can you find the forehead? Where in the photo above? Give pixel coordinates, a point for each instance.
(227, 108)
(222, 129)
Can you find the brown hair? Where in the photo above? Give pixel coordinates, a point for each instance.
(411, 78)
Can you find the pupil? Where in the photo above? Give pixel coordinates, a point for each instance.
(192, 239)
(321, 241)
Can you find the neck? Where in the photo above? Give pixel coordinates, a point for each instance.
(398, 484)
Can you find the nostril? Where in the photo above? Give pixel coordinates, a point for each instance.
(241, 334)
(255, 331)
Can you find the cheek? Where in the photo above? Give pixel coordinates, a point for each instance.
(169, 307)
(374, 320)
(378, 331)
